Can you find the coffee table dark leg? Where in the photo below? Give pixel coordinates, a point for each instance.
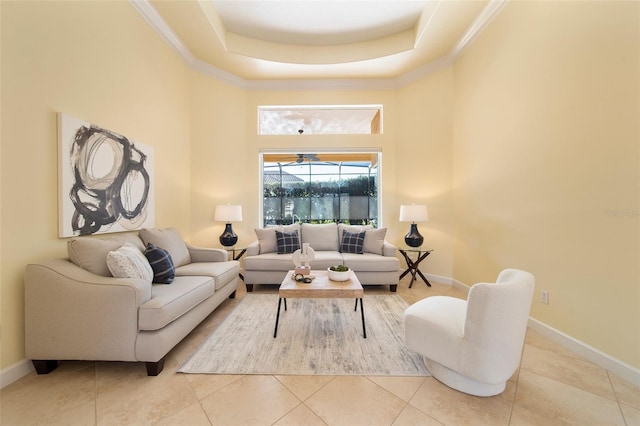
(275, 330)
(364, 329)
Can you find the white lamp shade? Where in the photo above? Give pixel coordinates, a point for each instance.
(228, 213)
(414, 213)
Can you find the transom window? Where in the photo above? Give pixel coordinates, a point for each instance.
(320, 120)
(320, 188)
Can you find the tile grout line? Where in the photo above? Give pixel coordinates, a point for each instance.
(515, 391)
(615, 394)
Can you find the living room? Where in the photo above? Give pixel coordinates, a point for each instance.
(525, 148)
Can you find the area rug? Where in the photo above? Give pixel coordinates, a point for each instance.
(315, 337)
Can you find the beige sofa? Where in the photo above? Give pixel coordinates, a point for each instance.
(376, 265)
(75, 309)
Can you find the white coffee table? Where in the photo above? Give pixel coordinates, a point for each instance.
(320, 287)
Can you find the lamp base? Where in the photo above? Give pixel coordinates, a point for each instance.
(413, 238)
(228, 238)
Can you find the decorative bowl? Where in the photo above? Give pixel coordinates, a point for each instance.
(339, 275)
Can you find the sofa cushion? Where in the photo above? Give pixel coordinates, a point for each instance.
(320, 236)
(160, 260)
(129, 262)
(267, 240)
(269, 262)
(371, 262)
(90, 253)
(267, 236)
(221, 272)
(374, 240)
(170, 302)
(352, 242)
(170, 240)
(325, 259)
(287, 242)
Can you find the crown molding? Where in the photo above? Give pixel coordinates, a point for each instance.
(424, 70)
(151, 15)
(477, 26)
(219, 74)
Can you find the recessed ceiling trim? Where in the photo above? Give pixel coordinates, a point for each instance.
(308, 55)
(215, 21)
(150, 14)
(323, 84)
(425, 19)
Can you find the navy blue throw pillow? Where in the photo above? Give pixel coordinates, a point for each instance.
(287, 242)
(160, 260)
(352, 242)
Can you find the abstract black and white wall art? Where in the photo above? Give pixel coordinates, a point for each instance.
(105, 180)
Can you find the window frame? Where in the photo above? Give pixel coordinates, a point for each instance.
(373, 151)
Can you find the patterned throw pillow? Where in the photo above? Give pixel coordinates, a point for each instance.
(352, 242)
(129, 262)
(287, 242)
(160, 260)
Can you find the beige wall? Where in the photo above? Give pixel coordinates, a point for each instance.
(424, 163)
(546, 141)
(221, 167)
(98, 61)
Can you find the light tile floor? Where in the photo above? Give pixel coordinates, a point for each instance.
(552, 387)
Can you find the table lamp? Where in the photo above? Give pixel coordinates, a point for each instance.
(228, 213)
(413, 213)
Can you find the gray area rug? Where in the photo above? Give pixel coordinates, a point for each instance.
(315, 336)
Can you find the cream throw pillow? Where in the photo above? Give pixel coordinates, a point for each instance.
(374, 240)
(321, 236)
(129, 262)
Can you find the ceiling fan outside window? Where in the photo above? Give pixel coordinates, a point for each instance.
(320, 119)
(320, 187)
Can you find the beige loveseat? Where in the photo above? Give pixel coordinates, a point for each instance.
(75, 309)
(376, 265)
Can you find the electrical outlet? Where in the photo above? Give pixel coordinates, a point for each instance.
(544, 297)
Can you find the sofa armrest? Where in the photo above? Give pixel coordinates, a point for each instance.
(71, 313)
(206, 254)
(388, 249)
(253, 249)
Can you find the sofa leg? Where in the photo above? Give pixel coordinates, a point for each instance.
(155, 368)
(232, 295)
(393, 288)
(44, 366)
(249, 288)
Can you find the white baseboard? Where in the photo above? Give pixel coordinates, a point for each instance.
(446, 280)
(617, 367)
(15, 372)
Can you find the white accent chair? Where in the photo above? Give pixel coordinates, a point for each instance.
(473, 346)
